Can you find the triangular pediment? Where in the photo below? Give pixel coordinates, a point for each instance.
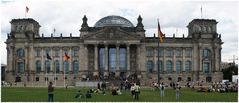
(112, 33)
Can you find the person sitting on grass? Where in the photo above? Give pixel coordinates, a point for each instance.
(88, 95)
(79, 95)
(114, 92)
(118, 92)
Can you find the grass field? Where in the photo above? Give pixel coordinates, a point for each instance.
(29, 94)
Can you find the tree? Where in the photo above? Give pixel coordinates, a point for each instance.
(228, 72)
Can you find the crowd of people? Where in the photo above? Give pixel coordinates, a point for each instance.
(134, 88)
(223, 87)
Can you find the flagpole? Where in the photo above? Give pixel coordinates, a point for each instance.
(55, 65)
(46, 73)
(64, 76)
(201, 11)
(158, 65)
(159, 33)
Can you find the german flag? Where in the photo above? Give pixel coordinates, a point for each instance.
(48, 56)
(66, 57)
(160, 34)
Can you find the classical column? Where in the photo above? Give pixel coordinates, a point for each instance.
(43, 61)
(164, 69)
(155, 59)
(138, 58)
(117, 60)
(96, 61)
(52, 61)
(128, 57)
(86, 57)
(183, 61)
(106, 60)
(174, 61)
(26, 71)
(70, 63)
(61, 60)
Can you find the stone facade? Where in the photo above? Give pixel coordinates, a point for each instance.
(196, 57)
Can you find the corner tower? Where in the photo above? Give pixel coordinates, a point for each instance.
(202, 28)
(24, 28)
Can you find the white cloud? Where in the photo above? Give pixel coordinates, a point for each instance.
(66, 16)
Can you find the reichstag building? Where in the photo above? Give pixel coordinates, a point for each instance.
(114, 48)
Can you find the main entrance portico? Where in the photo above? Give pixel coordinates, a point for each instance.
(112, 58)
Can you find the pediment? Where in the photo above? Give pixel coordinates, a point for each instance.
(112, 33)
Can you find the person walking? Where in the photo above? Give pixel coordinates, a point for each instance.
(177, 92)
(50, 92)
(137, 91)
(162, 89)
(132, 89)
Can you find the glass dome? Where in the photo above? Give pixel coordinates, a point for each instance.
(113, 21)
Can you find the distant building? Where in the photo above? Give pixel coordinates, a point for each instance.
(113, 48)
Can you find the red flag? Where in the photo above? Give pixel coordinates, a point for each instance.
(160, 34)
(66, 57)
(27, 9)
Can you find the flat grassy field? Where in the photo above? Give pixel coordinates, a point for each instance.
(30, 94)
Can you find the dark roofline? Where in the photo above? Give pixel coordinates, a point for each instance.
(31, 20)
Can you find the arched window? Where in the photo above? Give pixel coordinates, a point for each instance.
(160, 64)
(75, 67)
(150, 65)
(169, 66)
(66, 67)
(48, 66)
(20, 52)
(38, 66)
(188, 66)
(178, 66)
(21, 67)
(206, 53)
(57, 66)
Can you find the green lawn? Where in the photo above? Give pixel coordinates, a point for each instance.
(29, 94)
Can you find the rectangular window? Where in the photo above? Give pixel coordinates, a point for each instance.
(75, 52)
(206, 67)
(66, 51)
(21, 67)
(188, 52)
(169, 52)
(149, 52)
(178, 52)
(37, 52)
(57, 52)
(160, 52)
(47, 51)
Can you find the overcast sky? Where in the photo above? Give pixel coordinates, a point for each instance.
(66, 17)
